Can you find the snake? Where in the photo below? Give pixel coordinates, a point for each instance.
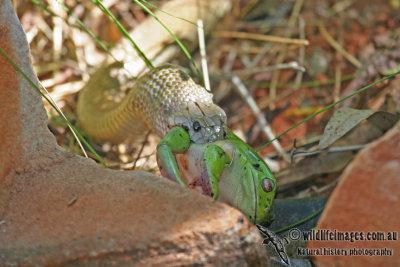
(197, 149)
(161, 99)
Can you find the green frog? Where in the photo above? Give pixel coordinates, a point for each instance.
(228, 170)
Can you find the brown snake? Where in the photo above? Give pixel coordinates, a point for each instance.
(159, 100)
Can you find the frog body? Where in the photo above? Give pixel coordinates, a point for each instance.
(230, 171)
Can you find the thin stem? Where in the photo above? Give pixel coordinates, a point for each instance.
(300, 222)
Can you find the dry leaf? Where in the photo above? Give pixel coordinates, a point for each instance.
(342, 121)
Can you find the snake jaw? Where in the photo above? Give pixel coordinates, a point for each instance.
(202, 127)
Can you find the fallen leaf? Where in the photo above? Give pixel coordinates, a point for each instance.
(342, 121)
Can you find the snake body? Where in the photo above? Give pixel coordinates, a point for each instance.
(159, 100)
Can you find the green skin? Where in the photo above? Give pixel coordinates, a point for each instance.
(228, 170)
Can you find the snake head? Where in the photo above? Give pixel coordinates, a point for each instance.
(205, 122)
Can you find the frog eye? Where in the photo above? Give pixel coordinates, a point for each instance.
(267, 185)
(196, 126)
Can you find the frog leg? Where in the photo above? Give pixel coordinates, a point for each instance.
(177, 140)
(214, 160)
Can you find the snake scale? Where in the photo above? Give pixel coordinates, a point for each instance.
(161, 99)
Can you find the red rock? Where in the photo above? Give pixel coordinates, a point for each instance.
(366, 200)
(57, 208)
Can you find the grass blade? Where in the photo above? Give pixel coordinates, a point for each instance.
(65, 118)
(169, 14)
(48, 100)
(124, 32)
(173, 36)
(300, 222)
(45, 8)
(303, 84)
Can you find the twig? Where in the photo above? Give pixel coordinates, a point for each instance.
(330, 150)
(229, 62)
(57, 31)
(327, 187)
(338, 47)
(202, 45)
(141, 149)
(261, 54)
(314, 191)
(299, 75)
(244, 57)
(338, 73)
(299, 144)
(130, 165)
(259, 37)
(265, 127)
(291, 65)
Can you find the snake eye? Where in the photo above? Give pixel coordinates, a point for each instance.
(196, 126)
(267, 185)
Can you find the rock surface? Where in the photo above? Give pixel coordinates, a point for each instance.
(57, 208)
(366, 200)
